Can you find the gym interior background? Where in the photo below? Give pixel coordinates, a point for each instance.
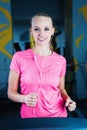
(71, 25)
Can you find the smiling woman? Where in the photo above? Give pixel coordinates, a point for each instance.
(41, 73)
(42, 34)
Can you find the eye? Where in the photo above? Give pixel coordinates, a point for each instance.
(36, 29)
(47, 29)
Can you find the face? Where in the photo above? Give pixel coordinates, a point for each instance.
(42, 30)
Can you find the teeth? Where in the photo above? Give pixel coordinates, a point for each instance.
(41, 39)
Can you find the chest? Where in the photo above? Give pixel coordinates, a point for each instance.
(41, 71)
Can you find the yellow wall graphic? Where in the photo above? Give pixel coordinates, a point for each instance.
(5, 31)
(83, 10)
(79, 39)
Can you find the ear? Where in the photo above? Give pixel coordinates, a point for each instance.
(53, 30)
(30, 30)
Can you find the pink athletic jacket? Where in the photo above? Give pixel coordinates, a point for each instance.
(40, 74)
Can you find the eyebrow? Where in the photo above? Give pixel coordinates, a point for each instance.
(45, 26)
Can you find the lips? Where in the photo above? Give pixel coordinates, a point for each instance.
(41, 39)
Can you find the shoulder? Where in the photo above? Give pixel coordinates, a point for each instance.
(59, 57)
(24, 53)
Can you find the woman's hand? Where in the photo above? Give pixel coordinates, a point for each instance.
(70, 104)
(30, 99)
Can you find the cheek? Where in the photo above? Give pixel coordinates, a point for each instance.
(35, 36)
(49, 36)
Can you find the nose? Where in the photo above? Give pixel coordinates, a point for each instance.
(40, 32)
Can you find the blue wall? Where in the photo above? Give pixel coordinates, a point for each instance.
(5, 42)
(79, 19)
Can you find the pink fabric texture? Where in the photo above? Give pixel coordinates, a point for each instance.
(40, 74)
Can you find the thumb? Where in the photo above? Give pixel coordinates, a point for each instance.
(67, 103)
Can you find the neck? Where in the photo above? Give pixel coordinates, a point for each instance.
(44, 51)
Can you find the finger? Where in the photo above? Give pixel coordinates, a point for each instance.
(31, 103)
(33, 99)
(71, 104)
(67, 103)
(72, 107)
(35, 95)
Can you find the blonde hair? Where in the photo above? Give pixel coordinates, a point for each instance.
(32, 42)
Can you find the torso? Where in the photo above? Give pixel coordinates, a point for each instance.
(41, 74)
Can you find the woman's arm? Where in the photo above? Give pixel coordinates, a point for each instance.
(64, 94)
(13, 82)
(68, 101)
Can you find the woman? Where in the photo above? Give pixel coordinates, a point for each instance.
(41, 73)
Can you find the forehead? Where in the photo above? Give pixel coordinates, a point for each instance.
(41, 20)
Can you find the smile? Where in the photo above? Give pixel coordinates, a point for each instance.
(42, 39)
